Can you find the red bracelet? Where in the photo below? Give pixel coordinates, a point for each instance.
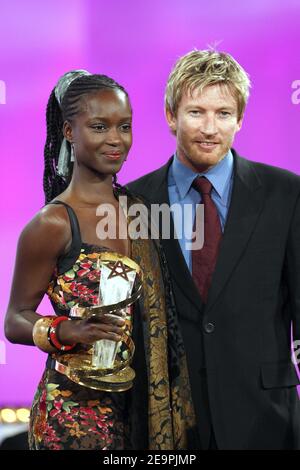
(53, 338)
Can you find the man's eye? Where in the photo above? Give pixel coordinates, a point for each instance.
(195, 112)
(225, 113)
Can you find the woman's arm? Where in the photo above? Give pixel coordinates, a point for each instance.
(42, 241)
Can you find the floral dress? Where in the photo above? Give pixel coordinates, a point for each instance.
(66, 415)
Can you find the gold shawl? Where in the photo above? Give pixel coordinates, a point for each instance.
(170, 409)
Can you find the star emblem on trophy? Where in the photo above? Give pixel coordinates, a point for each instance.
(118, 268)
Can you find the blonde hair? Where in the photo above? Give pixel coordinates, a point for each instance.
(198, 69)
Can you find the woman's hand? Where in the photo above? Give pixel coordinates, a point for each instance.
(89, 331)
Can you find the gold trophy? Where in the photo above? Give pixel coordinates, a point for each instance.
(106, 364)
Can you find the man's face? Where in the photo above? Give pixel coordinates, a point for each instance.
(205, 125)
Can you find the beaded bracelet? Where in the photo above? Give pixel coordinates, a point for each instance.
(53, 337)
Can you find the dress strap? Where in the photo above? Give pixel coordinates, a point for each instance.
(66, 261)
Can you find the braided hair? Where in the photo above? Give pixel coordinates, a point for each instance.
(56, 115)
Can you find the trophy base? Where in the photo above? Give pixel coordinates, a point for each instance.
(78, 368)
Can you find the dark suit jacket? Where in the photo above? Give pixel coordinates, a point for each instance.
(238, 345)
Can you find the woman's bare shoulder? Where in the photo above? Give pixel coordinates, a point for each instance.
(49, 227)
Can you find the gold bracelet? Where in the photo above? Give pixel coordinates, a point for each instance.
(40, 334)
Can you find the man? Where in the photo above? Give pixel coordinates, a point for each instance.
(239, 295)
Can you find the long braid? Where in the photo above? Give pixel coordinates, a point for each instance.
(56, 115)
(53, 184)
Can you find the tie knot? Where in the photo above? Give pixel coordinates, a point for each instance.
(202, 185)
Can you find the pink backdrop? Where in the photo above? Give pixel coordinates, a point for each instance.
(136, 43)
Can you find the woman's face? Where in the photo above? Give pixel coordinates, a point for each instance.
(101, 132)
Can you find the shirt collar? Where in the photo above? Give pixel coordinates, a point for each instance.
(219, 175)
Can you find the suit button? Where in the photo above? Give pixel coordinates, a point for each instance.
(209, 327)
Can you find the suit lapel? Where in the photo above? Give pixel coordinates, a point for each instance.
(180, 272)
(157, 193)
(245, 208)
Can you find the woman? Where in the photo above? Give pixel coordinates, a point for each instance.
(88, 139)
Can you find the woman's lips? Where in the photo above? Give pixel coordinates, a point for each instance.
(113, 156)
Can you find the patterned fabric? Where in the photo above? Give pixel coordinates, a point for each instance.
(93, 421)
(68, 416)
(170, 408)
(79, 285)
(65, 415)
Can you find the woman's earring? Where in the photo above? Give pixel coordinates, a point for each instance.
(72, 159)
(62, 168)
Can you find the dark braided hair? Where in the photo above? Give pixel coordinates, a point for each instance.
(56, 115)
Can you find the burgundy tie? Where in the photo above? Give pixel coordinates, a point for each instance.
(204, 260)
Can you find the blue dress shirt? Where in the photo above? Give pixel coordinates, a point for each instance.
(181, 192)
